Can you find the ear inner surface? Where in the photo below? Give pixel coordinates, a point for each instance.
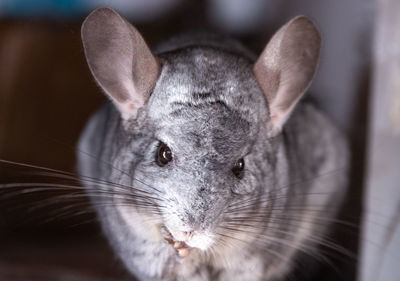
(286, 67)
(119, 60)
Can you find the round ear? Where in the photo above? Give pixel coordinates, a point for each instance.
(119, 60)
(286, 67)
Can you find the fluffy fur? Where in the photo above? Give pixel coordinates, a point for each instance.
(208, 107)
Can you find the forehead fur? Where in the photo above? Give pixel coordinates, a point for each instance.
(203, 78)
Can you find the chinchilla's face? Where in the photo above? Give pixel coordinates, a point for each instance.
(196, 123)
(200, 125)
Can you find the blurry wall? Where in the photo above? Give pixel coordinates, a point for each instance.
(46, 93)
(381, 229)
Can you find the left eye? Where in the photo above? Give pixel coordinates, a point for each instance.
(238, 168)
(164, 155)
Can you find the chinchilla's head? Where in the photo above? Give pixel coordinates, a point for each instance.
(196, 121)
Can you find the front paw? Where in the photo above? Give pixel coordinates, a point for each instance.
(182, 250)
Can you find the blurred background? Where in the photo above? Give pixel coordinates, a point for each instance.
(47, 94)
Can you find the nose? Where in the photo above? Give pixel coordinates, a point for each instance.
(187, 234)
(180, 235)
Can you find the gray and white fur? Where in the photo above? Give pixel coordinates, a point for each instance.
(212, 104)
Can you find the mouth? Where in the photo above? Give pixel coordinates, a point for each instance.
(181, 248)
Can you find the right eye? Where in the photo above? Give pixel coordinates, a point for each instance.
(164, 155)
(238, 168)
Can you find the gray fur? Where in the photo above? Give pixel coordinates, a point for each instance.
(208, 107)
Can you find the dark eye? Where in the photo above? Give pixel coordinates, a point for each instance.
(164, 155)
(238, 168)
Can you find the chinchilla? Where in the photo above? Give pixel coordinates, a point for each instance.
(210, 167)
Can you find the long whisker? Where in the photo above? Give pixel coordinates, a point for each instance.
(73, 176)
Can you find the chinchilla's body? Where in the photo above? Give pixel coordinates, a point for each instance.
(211, 171)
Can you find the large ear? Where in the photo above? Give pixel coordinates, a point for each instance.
(286, 67)
(119, 60)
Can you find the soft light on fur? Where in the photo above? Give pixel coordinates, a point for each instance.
(212, 105)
